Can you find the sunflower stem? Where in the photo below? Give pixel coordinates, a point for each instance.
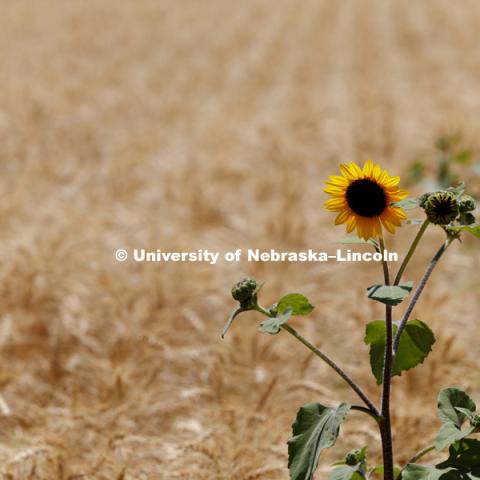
(411, 251)
(418, 292)
(355, 387)
(385, 424)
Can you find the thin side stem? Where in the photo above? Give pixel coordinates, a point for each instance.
(385, 426)
(410, 252)
(371, 407)
(335, 367)
(418, 292)
(421, 454)
(366, 410)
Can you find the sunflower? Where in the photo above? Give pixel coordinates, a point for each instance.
(363, 199)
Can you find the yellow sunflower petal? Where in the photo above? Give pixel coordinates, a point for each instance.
(351, 224)
(335, 204)
(335, 191)
(342, 217)
(364, 228)
(346, 171)
(337, 180)
(398, 213)
(368, 168)
(391, 218)
(392, 181)
(389, 226)
(356, 170)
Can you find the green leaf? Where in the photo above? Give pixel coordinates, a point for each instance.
(389, 294)
(449, 434)
(230, 320)
(468, 413)
(448, 401)
(346, 473)
(315, 429)
(422, 472)
(298, 303)
(464, 456)
(273, 325)
(451, 402)
(473, 228)
(415, 345)
(407, 204)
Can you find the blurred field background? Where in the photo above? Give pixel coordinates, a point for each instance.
(211, 124)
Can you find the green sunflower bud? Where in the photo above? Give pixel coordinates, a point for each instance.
(245, 291)
(467, 218)
(353, 457)
(475, 422)
(441, 208)
(466, 203)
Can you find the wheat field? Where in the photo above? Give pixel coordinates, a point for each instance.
(211, 124)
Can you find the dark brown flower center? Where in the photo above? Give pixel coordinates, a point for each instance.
(366, 198)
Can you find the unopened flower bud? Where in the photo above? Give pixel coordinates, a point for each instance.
(245, 292)
(467, 218)
(352, 457)
(475, 422)
(466, 203)
(441, 208)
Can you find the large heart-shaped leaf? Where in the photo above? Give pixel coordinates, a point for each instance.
(315, 429)
(415, 345)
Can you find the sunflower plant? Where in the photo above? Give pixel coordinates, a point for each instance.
(368, 201)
